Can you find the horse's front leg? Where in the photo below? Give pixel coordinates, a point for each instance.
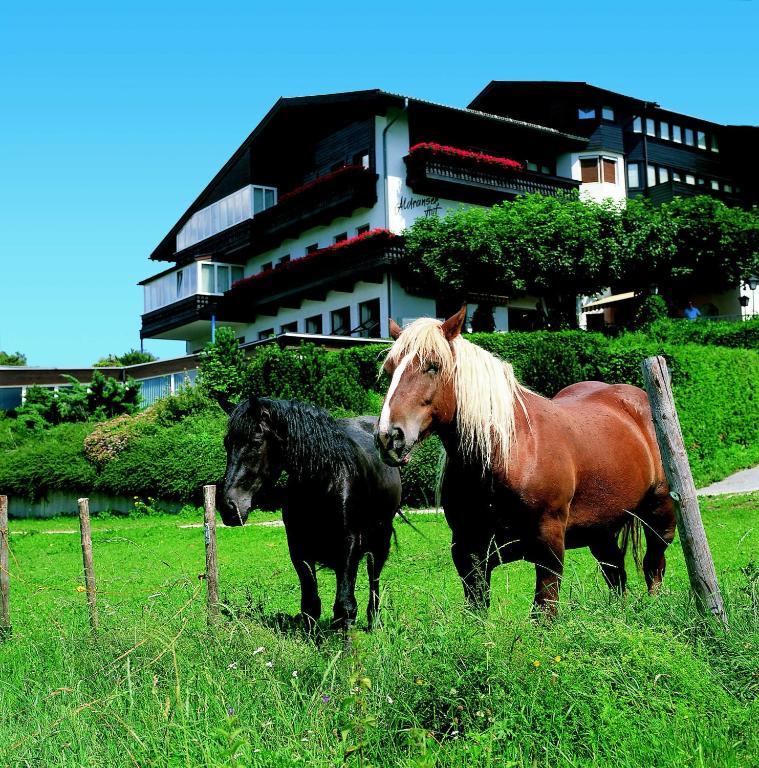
(310, 604)
(547, 552)
(375, 561)
(345, 608)
(474, 565)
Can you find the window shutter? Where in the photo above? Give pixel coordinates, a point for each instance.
(588, 170)
(610, 171)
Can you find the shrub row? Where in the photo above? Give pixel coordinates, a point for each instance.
(743, 335)
(179, 448)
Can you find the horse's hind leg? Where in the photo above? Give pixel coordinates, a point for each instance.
(659, 529)
(606, 550)
(344, 610)
(375, 561)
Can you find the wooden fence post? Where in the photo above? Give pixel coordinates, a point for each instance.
(89, 570)
(698, 558)
(212, 570)
(5, 614)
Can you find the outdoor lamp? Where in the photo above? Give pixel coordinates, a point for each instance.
(753, 282)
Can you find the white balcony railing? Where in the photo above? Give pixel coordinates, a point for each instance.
(225, 213)
(201, 277)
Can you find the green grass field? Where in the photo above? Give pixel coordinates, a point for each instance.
(633, 682)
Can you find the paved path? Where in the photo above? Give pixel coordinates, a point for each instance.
(741, 482)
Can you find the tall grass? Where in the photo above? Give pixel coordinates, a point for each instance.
(630, 682)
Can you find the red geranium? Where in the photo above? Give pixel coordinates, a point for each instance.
(372, 234)
(477, 158)
(346, 170)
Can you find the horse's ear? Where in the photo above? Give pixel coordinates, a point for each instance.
(453, 325)
(395, 329)
(224, 402)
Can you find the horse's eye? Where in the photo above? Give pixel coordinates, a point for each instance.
(432, 368)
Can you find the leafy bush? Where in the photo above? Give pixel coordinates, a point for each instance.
(223, 368)
(420, 476)
(103, 398)
(12, 358)
(54, 460)
(741, 334)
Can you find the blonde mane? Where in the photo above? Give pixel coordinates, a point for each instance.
(485, 387)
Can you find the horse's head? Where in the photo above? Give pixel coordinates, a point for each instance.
(421, 397)
(253, 456)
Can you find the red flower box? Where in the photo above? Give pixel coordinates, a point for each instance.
(432, 150)
(374, 235)
(319, 181)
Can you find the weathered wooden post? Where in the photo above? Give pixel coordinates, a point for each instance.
(212, 570)
(698, 558)
(89, 570)
(5, 613)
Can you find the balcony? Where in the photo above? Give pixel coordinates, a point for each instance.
(457, 179)
(337, 267)
(184, 296)
(319, 202)
(316, 203)
(668, 190)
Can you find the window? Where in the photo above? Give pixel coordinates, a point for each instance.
(714, 184)
(222, 279)
(650, 126)
(342, 236)
(633, 175)
(663, 130)
(715, 145)
(266, 266)
(689, 136)
(283, 259)
(237, 274)
(314, 324)
(588, 170)
(594, 169)
(728, 187)
(207, 279)
(663, 175)
(701, 139)
(637, 125)
(700, 182)
(180, 279)
(361, 158)
(607, 113)
(690, 178)
(677, 135)
(676, 176)
(265, 334)
(609, 170)
(363, 228)
(651, 175)
(532, 166)
(369, 319)
(341, 321)
(289, 327)
(586, 114)
(311, 248)
(546, 170)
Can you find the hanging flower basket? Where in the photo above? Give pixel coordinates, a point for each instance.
(473, 159)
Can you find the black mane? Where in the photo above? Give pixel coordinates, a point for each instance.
(312, 441)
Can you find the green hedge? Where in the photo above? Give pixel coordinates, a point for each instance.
(739, 335)
(172, 454)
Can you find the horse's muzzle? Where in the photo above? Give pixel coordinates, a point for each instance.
(392, 446)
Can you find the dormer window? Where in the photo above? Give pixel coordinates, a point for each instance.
(584, 113)
(607, 113)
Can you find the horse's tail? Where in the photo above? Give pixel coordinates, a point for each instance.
(631, 534)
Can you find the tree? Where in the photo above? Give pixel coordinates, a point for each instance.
(224, 371)
(132, 357)
(12, 358)
(552, 247)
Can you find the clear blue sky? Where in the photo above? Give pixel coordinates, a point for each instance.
(115, 115)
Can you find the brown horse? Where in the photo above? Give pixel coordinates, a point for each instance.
(527, 477)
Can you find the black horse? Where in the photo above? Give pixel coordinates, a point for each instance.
(340, 499)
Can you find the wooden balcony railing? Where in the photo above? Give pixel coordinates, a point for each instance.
(449, 177)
